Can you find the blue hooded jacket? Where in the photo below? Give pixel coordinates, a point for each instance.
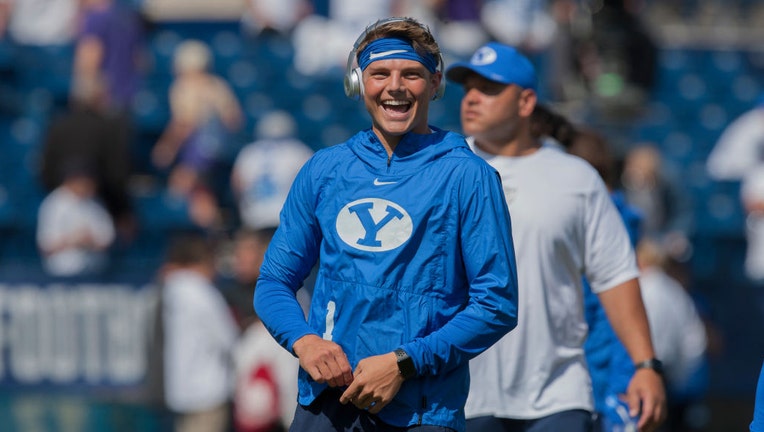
(415, 251)
(757, 425)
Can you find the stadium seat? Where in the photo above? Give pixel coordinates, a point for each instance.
(226, 46)
(159, 211)
(7, 211)
(150, 108)
(245, 76)
(722, 66)
(162, 44)
(48, 67)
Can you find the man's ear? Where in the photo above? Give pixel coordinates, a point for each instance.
(528, 101)
(435, 80)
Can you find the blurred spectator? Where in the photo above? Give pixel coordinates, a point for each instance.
(264, 170)
(36, 44)
(609, 363)
(594, 148)
(525, 24)
(266, 383)
(192, 10)
(247, 253)
(752, 195)
(651, 186)
(429, 12)
(456, 24)
(248, 248)
(602, 55)
(89, 132)
(200, 201)
(564, 83)
(199, 335)
(204, 111)
(678, 335)
(740, 148)
(5, 14)
(266, 386)
(739, 156)
(74, 230)
(321, 42)
(110, 47)
(276, 16)
(39, 22)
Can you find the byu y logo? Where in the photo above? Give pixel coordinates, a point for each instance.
(374, 224)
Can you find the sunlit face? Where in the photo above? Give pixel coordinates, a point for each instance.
(397, 94)
(83, 186)
(490, 111)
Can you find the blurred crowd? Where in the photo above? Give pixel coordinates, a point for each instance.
(599, 59)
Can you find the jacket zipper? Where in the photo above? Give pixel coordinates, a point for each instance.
(424, 407)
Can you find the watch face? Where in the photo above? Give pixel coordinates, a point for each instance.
(653, 364)
(405, 364)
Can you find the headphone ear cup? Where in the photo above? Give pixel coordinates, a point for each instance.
(353, 84)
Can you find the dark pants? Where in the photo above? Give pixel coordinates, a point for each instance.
(327, 414)
(568, 421)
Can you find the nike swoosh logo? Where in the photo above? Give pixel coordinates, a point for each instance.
(373, 56)
(377, 182)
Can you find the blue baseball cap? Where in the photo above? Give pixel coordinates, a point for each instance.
(496, 62)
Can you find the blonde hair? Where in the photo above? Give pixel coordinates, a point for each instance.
(407, 28)
(192, 56)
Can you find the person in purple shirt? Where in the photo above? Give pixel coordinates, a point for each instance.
(109, 45)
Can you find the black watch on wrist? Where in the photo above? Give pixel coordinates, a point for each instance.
(405, 364)
(652, 363)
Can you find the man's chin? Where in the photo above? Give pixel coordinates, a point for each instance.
(396, 130)
(471, 131)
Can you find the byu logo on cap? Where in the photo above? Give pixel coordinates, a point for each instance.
(374, 225)
(483, 56)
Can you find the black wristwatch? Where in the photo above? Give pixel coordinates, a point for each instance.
(652, 363)
(405, 364)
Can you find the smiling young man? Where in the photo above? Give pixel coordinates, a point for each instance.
(417, 266)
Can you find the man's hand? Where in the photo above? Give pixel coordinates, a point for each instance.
(646, 397)
(376, 381)
(324, 360)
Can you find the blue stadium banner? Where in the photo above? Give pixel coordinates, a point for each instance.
(76, 336)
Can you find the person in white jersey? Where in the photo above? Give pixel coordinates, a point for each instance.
(264, 170)
(565, 225)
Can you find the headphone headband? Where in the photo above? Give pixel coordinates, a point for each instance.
(353, 81)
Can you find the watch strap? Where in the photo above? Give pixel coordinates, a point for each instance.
(405, 364)
(652, 363)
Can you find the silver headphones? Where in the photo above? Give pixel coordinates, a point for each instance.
(353, 81)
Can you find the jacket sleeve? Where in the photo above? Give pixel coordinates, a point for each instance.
(291, 255)
(488, 256)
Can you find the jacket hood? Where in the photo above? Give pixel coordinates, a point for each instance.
(411, 153)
